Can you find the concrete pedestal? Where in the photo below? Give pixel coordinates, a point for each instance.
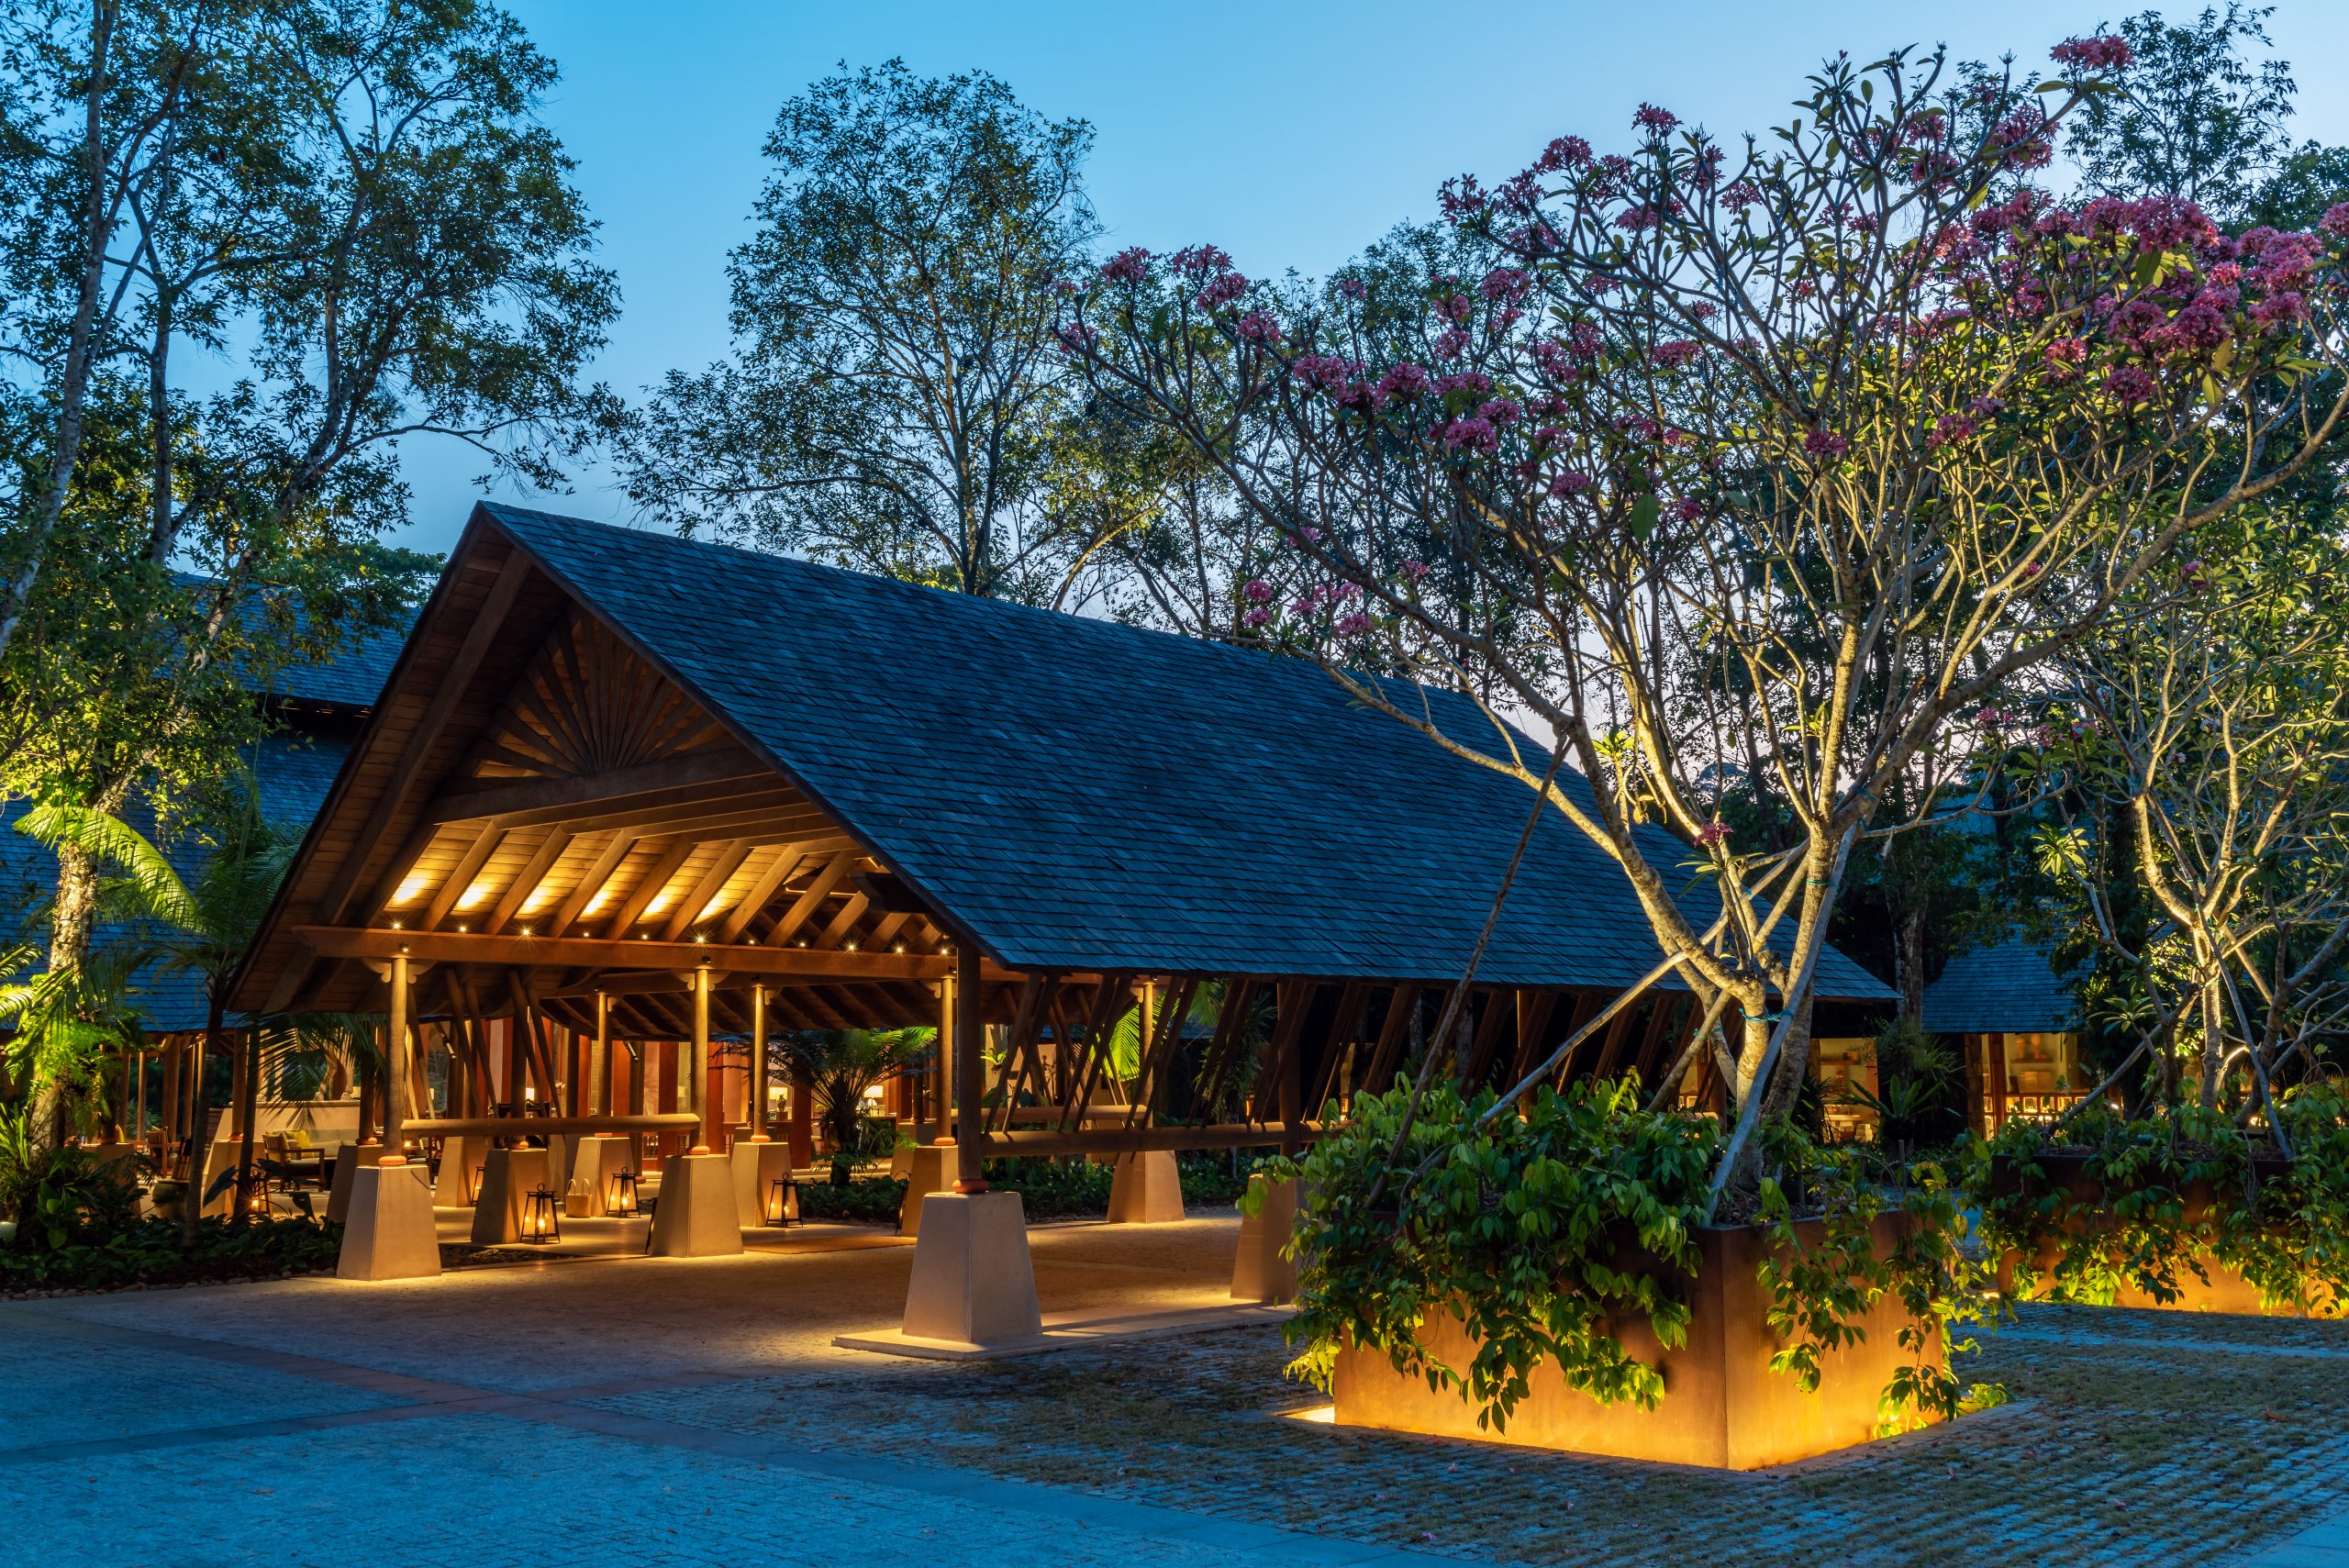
(1260, 1273)
(508, 1176)
(390, 1232)
(695, 1217)
(349, 1160)
(598, 1160)
(930, 1168)
(972, 1283)
(459, 1155)
(1146, 1189)
(757, 1168)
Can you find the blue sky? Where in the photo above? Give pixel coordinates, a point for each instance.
(1290, 134)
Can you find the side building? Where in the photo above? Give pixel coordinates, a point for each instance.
(2016, 1022)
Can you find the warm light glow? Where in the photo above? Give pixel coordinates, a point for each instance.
(852, 947)
(526, 930)
(477, 894)
(463, 928)
(411, 890)
(603, 896)
(1325, 1414)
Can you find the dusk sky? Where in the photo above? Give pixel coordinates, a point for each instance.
(1291, 134)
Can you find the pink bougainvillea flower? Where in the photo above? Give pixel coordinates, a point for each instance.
(1130, 266)
(1258, 590)
(2102, 52)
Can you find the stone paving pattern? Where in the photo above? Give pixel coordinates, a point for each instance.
(651, 1412)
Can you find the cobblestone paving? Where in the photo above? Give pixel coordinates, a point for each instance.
(2135, 1438)
(647, 1413)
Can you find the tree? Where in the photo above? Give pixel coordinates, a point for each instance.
(207, 923)
(1809, 409)
(2204, 747)
(841, 1066)
(894, 402)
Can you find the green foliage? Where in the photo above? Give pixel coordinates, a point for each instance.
(1823, 1276)
(868, 1200)
(2165, 1197)
(59, 1197)
(1533, 1230)
(841, 1066)
(149, 1253)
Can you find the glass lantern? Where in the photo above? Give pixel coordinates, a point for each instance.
(783, 1203)
(620, 1201)
(539, 1209)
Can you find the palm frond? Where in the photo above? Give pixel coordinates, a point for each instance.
(154, 882)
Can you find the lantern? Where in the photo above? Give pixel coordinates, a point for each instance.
(619, 1203)
(538, 1216)
(472, 1185)
(783, 1203)
(257, 1196)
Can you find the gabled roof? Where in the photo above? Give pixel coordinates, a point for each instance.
(1079, 795)
(2012, 988)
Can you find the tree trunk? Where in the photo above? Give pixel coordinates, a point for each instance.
(1909, 962)
(246, 1104)
(74, 917)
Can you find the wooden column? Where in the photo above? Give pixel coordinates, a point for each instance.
(941, 1066)
(970, 1068)
(395, 1059)
(599, 1063)
(802, 1131)
(699, 1072)
(139, 1064)
(759, 1065)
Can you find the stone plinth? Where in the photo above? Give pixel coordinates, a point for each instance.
(390, 1232)
(930, 1168)
(600, 1158)
(1145, 1188)
(695, 1216)
(972, 1282)
(507, 1176)
(757, 1167)
(1261, 1271)
(349, 1159)
(459, 1155)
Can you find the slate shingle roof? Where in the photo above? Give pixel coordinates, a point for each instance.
(1083, 795)
(2011, 988)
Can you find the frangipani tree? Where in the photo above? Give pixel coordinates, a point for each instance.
(2200, 747)
(1750, 467)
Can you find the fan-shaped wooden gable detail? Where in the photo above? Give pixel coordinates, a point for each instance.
(552, 793)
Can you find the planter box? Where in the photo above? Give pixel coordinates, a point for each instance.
(2225, 1290)
(1722, 1405)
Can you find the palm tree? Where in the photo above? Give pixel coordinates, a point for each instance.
(841, 1066)
(206, 924)
(66, 1019)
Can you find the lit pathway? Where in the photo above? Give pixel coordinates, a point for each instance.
(205, 1442)
(643, 1411)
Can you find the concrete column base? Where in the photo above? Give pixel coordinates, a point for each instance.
(757, 1168)
(930, 1168)
(508, 1176)
(348, 1159)
(459, 1155)
(1146, 1189)
(599, 1158)
(695, 1217)
(1261, 1273)
(390, 1233)
(973, 1281)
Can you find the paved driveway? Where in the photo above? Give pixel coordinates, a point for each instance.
(646, 1411)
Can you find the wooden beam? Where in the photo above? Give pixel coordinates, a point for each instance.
(813, 898)
(460, 877)
(648, 886)
(845, 921)
(524, 801)
(786, 861)
(586, 953)
(592, 882)
(711, 882)
(526, 880)
(334, 904)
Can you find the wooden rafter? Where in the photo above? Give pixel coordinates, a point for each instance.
(526, 880)
(596, 877)
(788, 858)
(688, 913)
(812, 899)
(460, 877)
(656, 876)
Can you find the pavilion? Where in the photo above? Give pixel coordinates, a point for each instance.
(625, 787)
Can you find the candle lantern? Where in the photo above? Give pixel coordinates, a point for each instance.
(783, 1203)
(619, 1203)
(472, 1185)
(538, 1216)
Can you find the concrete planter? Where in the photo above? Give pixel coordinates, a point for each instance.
(1722, 1407)
(2224, 1290)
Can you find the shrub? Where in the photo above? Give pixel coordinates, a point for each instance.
(148, 1253)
